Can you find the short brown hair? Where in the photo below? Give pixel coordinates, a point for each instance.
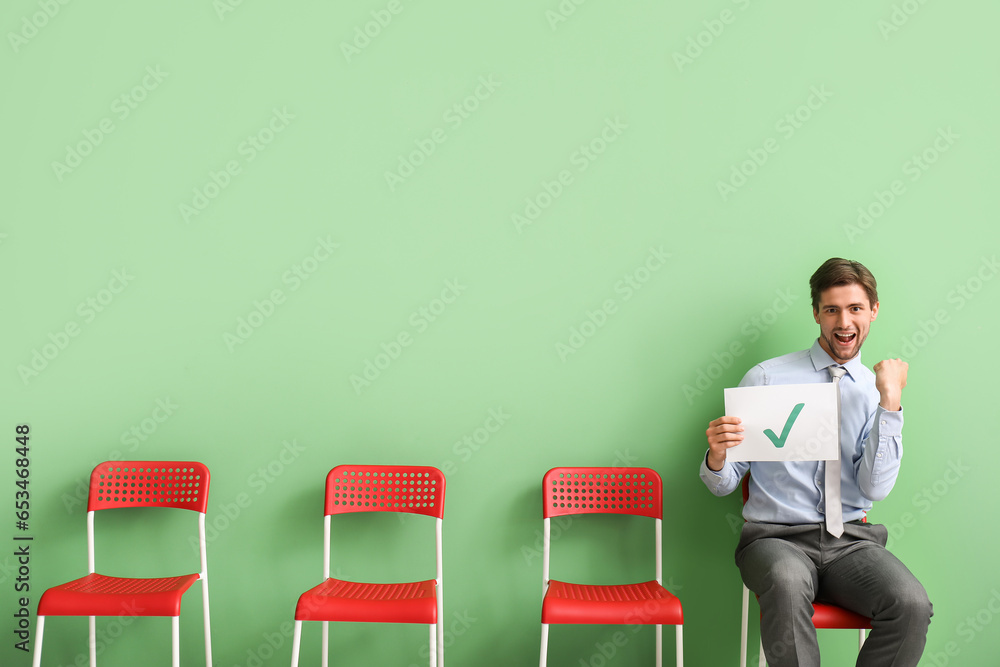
(836, 272)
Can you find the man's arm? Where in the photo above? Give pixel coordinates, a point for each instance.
(719, 475)
(878, 466)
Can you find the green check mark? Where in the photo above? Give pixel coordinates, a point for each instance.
(780, 442)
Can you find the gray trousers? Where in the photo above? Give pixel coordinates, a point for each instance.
(789, 567)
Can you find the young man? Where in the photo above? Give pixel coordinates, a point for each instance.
(794, 549)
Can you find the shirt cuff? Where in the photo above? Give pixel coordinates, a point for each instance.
(890, 422)
(704, 465)
(711, 478)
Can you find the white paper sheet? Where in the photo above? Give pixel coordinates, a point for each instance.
(788, 422)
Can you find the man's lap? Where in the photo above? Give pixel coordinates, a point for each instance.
(854, 571)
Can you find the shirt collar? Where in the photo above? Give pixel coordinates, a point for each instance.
(821, 361)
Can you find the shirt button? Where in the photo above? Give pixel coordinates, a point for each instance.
(879, 455)
(883, 422)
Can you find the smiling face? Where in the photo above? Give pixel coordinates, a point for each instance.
(844, 315)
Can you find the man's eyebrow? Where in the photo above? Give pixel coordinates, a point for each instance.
(824, 306)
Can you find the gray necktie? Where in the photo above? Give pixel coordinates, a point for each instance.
(834, 508)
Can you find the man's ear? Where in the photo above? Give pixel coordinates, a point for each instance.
(874, 311)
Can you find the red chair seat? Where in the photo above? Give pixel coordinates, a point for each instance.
(100, 595)
(354, 602)
(647, 603)
(832, 617)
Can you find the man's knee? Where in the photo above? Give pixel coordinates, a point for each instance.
(915, 606)
(911, 605)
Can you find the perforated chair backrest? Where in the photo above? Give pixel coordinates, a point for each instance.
(610, 490)
(379, 488)
(179, 484)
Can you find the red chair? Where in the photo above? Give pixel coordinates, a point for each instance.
(413, 489)
(636, 491)
(134, 484)
(825, 616)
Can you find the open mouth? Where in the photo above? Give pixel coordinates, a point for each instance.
(845, 339)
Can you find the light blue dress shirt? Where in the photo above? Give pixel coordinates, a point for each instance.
(871, 446)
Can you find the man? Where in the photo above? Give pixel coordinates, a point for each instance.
(794, 549)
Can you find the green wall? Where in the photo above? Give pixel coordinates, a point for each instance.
(584, 219)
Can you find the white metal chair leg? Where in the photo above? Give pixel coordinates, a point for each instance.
(761, 662)
(659, 646)
(545, 645)
(743, 627)
(433, 645)
(440, 639)
(296, 642)
(326, 643)
(208, 623)
(93, 641)
(175, 641)
(36, 659)
(680, 646)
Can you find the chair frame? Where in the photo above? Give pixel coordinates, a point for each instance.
(436, 642)
(655, 512)
(819, 609)
(94, 505)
